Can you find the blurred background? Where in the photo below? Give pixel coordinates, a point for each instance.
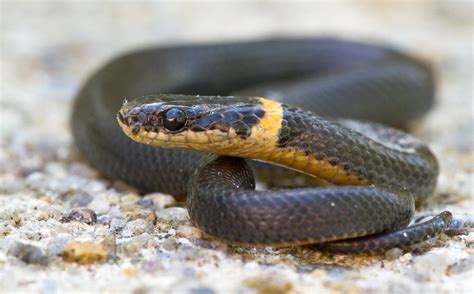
(48, 48)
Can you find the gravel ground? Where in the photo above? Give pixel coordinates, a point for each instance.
(64, 228)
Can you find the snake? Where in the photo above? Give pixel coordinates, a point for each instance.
(331, 109)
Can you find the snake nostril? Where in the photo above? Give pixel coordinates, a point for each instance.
(131, 120)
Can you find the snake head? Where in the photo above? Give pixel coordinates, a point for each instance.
(178, 121)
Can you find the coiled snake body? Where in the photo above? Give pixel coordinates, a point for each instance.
(371, 174)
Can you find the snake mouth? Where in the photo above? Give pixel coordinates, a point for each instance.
(121, 117)
(130, 124)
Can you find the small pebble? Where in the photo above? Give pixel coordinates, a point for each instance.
(78, 200)
(42, 216)
(161, 200)
(173, 214)
(129, 202)
(37, 180)
(84, 253)
(189, 232)
(186, 252)
(28, 253)
(56, 246)
(103, 220)
(138, 213)
(8, 215)
(109, 243)
(130, 271)
(169, 244)
(100, 204)
(139, 242)
(114, 212)
(82, 215)
(269, 284)
(145, 202)
(206, 244)
(136, 227)
(53, 211)
(117, 225)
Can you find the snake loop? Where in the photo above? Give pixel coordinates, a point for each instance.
(194, 146)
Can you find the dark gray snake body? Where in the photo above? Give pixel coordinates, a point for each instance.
(330, 77)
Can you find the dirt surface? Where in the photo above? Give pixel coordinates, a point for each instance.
(64, 228)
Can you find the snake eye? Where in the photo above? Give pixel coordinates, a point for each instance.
(174, 119)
